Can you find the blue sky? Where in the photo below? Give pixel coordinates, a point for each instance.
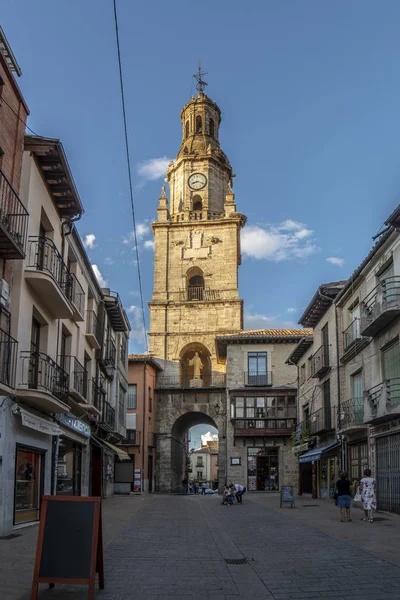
(310, 96)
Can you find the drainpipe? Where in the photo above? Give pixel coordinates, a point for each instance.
(144, 418)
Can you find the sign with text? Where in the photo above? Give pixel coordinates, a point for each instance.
(70, 546)
(287, 495)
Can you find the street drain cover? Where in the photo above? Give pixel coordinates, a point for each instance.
(236, 561)
(310, 505)
(10, 537)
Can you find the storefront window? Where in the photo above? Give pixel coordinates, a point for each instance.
(28, 485)
(263, 469)
(69, 468)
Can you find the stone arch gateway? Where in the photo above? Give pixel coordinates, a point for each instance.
(179, 409)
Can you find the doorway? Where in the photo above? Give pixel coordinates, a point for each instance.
(150, 472)
(263, 469)
(96, 471)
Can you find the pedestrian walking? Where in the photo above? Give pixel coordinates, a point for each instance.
(239, 491)
(196, 487)
(185, 486)
(203, 487)
(368, 495)
(343, 489)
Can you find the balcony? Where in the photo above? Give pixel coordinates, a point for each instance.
(44, 384)
(132, 438)
(115, 312)
(110, 358)
(107, 418)
(98, 396)
(8, 361)
(78, 300)
(322, 420)
(351, 415)
(383, 401)
(93, 330)
(353, 341)
(303, 431)
(320, 362)
(264, 427)
(257, 379)
(198, 293)
(78, 378)
(380, 307)
(48, 275)
(13, 221)
(215, 380)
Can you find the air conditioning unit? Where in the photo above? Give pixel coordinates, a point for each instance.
(4, 292)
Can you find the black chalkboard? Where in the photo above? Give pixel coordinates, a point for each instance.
(69, 530)
(69, 548)
(287, 495)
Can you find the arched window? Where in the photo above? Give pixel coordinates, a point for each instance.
(212, 128)
(197, 203)
(196, 288)
(199, 124)
(187, 129)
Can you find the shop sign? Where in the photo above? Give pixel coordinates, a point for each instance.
(75, 424)
(39, 424)
(385, 428)
(300, 448)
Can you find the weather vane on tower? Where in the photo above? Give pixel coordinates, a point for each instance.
(201, 84)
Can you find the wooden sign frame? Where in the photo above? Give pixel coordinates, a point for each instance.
(96, 560)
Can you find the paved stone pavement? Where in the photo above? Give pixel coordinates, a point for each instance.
(175, 547)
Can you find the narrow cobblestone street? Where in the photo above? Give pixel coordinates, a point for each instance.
(162, 547)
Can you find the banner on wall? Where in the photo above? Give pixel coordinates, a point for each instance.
(137, 482)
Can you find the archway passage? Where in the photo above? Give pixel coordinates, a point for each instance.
(203, 465)
(183, 465)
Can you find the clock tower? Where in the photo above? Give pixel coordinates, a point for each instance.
(197, 250)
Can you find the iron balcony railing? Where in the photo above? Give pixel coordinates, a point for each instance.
(98, 395)
(77, 295)
(257, 378)
(351, 413)
(387, 390)
(132, 438)
(110, 354)
(199, 293)
(78, 376)
(44, 256)
(322, 420)
(13, 218)
(108, 415)
(351, 334)
(263, 426)
(40, 372)
(93, 325)
(320, 361)
(175, 381)
(380, 306)
(8, 359)
(199, 463)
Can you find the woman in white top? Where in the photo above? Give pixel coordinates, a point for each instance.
(368, 495)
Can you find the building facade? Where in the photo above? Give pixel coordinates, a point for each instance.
(316, 445)
(138, 475)
(261, 407)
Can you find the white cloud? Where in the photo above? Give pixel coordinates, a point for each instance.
(289, 240)
(154, 168)
(291, 310)
(136, 320)
(259, 321)
(99, 276)
(142, 230)
(134, 293)
(209, 437)
(149, 244)
(334, 260)
(89, 240)
(109, 261)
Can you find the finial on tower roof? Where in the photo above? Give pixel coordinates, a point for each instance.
(201, 84)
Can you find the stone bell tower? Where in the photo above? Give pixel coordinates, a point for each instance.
(197, 249)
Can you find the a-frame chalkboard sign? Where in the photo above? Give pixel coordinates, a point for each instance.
(70, 544)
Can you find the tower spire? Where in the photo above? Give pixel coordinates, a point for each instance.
(201, 84)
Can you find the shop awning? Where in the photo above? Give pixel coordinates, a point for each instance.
(122, 455)
(316, 453)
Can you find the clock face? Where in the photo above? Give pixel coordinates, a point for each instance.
(197, 181)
